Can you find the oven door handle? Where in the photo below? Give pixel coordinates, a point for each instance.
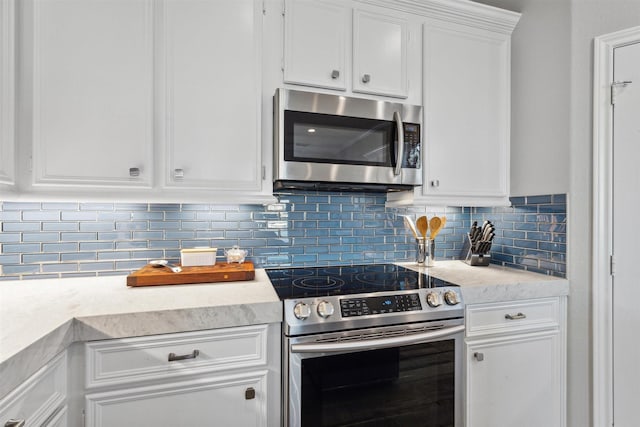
(338, 347)
(399, 142)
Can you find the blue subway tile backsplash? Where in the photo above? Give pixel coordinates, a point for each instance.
(44, 240)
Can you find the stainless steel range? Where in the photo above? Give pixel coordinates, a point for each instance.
(370, 345)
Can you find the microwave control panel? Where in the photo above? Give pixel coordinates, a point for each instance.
(412, 155)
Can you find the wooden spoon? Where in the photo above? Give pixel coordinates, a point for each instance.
(423, 226)
(435, 224)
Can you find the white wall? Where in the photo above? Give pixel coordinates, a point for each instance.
(552, 142)
(540, 99)
(590, 18)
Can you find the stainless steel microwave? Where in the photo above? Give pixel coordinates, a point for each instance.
(331, 142)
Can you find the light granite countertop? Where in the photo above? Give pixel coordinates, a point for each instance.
(494, 283)
(40, 318)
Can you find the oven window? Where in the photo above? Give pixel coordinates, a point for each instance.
(402, 386)
(323, 138)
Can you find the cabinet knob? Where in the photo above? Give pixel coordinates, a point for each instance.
(14, 423)
(134, 172)
(178, 173)
(478, 356)
(335, 74)
(366, 78)
(435, 183)
(250, 393)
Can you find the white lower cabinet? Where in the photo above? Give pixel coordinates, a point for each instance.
(40, 400)
(516, 364)
(225, 377)
(237, 400)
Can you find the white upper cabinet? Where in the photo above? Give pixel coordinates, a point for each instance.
(467, 98)
(161, 97)
(379, 54)
(466, 113)
(7, 75)
(353, 47)
(316, 37)
(90, 92)
(210, 92)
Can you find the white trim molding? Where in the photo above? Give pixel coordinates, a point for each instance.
(602, 307)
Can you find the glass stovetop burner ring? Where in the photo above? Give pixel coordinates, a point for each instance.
(318, 282)
(302, 282)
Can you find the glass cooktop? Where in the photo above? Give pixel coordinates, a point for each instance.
(306, 282)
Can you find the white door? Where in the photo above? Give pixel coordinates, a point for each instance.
(92, 78)
(466, 124)
(211, 88)
(514, 381)
(315, 43)
(626, 204)
(233, 400)
(379, 54)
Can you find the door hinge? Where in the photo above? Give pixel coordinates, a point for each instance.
(615, 86)
(612, 265)
(264, 172)
(264, 7)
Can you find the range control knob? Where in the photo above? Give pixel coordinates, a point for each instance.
(325, 309)
(302, 310)
(433, 299)
(451, 298)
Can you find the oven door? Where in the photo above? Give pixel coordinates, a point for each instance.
(393, 376)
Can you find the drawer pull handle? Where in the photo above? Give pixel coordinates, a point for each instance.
(14, 423)
(515, 316)
(250, 393)
(173, 357)
(478, 356)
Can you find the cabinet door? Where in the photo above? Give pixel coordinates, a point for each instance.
(7, 67)
(315, 43)
(226, 401)
(91, 91)
(210, 90)
(515, 381)
(379, 54)
(466, 115)
(42, 395)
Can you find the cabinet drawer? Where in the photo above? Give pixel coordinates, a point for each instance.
(513, 316)
(127, 360)
(39, 397)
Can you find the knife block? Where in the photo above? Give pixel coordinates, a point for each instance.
(475, 258)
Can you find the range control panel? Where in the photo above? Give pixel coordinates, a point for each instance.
(353, 307)
(334, 313)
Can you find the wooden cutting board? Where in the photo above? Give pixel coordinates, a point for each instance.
(221, 272)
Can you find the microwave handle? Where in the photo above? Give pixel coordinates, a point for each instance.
(399, 142)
